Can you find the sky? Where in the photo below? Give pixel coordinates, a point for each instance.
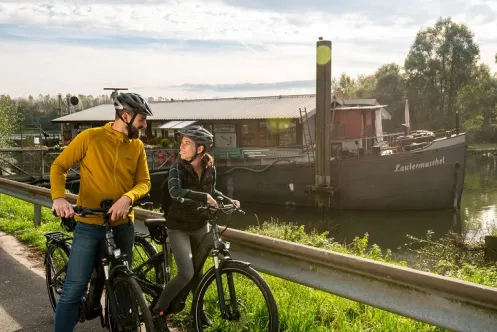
(213, 48)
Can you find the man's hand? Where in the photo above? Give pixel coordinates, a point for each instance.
(120, 208)
(236, 202)
(63, 208)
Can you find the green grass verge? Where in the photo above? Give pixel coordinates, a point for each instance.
(301, 308)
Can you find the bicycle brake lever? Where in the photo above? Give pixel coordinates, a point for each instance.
(144, 205)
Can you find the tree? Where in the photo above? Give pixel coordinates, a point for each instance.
(477, 104)
(439, 64)
(10, 117)
(346, 86)
(389, 90)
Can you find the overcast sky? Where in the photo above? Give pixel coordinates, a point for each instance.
(204, 49)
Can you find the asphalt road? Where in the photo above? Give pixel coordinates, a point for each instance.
(24, 303)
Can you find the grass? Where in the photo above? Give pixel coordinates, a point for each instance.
(482, 145)
(301, 308)
(16, 218)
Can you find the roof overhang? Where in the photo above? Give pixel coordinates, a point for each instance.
(176, 124)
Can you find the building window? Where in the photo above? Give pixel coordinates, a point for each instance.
(249, 134)
(288, 133)
(268, 135)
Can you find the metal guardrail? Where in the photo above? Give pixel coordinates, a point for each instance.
(445, 302)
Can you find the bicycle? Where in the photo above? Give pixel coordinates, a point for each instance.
(225, 272)
(110, 273)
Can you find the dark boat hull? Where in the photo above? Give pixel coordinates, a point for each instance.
(431, 178)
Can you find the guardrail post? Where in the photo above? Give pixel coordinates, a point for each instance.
(37, 210)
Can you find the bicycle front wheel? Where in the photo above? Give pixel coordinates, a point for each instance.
(132, 310)
(248, 302)
(55, 271)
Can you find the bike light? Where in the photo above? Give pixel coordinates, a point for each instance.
(117, 253)
(227, 244)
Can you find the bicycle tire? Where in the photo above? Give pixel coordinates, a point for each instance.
(235, 267)
(48, 271)
(150, 251)
(132, 287)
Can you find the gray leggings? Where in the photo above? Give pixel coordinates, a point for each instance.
(184, 246)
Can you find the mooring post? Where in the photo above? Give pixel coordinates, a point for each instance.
(323, 120)
(37, 213)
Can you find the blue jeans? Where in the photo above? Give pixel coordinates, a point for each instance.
(85, 245)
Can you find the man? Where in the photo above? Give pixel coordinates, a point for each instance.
(113, 165)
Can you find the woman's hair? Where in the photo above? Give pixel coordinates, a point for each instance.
(207, 160)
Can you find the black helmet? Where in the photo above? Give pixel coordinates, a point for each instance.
(132, 102)
(199, 135)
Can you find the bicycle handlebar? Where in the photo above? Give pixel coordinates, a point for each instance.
(227, 208)
(105, 206)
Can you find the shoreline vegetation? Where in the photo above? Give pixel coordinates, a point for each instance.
(303, 308)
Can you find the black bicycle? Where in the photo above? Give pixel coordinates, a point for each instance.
(233, 295)
(125, 306)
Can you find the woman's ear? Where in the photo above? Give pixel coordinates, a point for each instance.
(200, 149)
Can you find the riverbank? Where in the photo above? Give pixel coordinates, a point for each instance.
(301, 308)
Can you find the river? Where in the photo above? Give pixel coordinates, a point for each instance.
(476, 218)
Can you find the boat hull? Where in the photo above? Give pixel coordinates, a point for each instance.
(431, 178)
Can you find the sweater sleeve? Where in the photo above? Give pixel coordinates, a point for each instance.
(73, 153)
(175, 187)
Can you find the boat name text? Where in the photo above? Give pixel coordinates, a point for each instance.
(411, 166)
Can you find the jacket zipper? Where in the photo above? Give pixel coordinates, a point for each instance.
(115, 165)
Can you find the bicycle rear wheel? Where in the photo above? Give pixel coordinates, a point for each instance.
(143, 250)
(132, 310)
(250, 305)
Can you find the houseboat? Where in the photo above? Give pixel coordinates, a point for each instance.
(265, 150)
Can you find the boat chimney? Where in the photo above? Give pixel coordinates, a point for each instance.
(323, 120)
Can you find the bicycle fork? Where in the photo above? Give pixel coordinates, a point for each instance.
(227, 314)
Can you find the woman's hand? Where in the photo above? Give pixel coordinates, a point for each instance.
(236, 202)
(211, 201)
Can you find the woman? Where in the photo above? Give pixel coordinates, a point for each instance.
(192, 176)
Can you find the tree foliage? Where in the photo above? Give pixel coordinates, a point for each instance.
(10, 118)
(440, 76)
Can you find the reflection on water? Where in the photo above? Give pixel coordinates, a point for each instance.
(389, 229)
(480, 197)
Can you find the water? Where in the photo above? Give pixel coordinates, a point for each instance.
(389, 229)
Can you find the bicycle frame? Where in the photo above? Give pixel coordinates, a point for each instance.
(210, 245)
(108, 261)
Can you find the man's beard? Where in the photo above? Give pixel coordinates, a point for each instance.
(134, 132)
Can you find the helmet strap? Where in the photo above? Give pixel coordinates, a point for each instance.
(129, 124)
(195, 155)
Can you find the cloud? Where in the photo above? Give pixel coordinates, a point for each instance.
(196, 48)
(237, 87)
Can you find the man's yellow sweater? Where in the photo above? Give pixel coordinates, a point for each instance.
(111, 165)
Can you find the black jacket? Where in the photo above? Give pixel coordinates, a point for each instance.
(183, 182)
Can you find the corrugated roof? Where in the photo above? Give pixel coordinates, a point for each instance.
(209, 109)
(271, 107)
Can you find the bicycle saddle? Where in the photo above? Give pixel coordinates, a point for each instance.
(155, 222)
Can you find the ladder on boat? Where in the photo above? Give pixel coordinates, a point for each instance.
(308, 145)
